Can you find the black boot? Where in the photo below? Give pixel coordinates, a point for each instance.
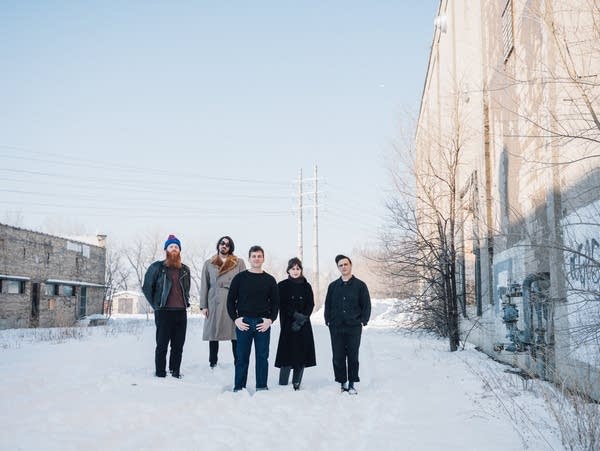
(297, 377)
(213, 353)
(284, 375)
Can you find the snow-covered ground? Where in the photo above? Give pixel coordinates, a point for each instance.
(93, 388)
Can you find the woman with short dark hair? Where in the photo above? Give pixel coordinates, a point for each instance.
(296, 347)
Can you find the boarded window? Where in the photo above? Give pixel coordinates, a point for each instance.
(50, 289)
(13, 286)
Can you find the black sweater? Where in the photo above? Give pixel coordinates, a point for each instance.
(254, 295)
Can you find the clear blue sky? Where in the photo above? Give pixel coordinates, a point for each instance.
(194, 118)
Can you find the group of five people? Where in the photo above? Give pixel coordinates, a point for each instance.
(240, 305)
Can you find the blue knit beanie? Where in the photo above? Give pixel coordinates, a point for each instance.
(172, 240)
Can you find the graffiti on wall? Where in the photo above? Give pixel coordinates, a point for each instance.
(581, 230)
(583, 267)
(581, 259)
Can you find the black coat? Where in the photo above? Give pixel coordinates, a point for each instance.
(295, 348)
(347, 303)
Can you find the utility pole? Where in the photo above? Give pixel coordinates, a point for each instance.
(315, 206)
(300, 236)
(316, 237)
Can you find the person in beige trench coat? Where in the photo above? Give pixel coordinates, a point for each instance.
(217, 273)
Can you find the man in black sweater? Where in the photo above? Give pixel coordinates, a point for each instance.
(253, 304)
(347, 310)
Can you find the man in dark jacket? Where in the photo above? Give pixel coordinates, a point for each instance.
(167, 289)
(347, 310)
(253, 304)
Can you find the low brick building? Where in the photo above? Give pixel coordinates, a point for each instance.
(48, 281)
(129, 302)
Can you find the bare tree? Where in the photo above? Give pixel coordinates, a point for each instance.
(420, 245)
(140, 254)
(195, 259)
(117, 276)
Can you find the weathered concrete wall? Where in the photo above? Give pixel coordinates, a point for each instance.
(536, 208)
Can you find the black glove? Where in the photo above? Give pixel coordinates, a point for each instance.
(299, 320)
(300, 317)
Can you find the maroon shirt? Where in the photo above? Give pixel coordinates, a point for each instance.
(175, 298)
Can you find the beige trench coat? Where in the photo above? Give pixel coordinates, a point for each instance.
(214, 287)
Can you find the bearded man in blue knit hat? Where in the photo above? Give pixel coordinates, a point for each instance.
(167, 289)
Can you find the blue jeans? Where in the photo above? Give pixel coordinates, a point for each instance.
(261, 353)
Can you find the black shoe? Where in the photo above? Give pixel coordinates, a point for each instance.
(177, 375)
(163, 374)
(343, 387)
(212, 365)
(296, 386)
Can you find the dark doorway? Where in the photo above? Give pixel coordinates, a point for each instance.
(82, 302)
(34, 318)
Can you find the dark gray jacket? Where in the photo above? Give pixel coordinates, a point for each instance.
(157, 285)
(347, 303)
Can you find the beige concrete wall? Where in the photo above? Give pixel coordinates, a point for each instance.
(530, 141)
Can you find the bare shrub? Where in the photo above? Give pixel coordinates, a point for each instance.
(577, 417)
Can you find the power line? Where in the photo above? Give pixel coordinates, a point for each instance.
(65, 160)
(79, 195)
(142, 212)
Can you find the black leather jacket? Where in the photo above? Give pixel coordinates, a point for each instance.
(157, 285)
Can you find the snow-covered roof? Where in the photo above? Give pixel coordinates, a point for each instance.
(75, 282)
(6, 276)
(91, 240)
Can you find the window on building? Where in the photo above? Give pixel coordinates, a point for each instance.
(68, 290)
(12, 286)
(51, 289)
(507, 30)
